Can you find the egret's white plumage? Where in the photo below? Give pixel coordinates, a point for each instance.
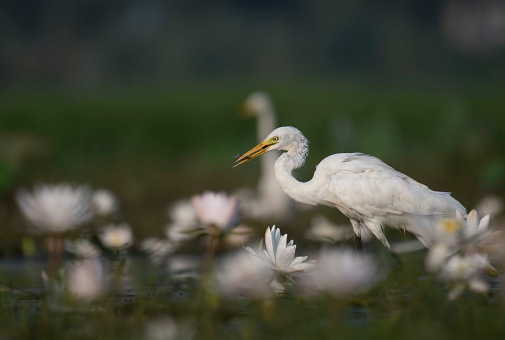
(366, 190)
(271, 200)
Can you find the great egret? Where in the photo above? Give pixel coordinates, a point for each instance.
(270, 201)
(366, 190)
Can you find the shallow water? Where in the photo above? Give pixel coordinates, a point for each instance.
(407, 304)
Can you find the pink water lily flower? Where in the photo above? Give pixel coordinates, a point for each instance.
(216, 209)
(184, 224)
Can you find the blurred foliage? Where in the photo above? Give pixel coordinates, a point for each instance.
(90, 42)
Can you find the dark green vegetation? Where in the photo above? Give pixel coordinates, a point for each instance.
(153, 145)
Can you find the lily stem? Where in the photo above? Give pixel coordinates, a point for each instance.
(55, 256)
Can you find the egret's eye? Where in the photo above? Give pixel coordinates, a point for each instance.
(275, 139)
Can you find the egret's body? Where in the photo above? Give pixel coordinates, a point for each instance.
(366, 190)
(271, 201)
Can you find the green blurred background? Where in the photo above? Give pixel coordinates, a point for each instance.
(142, 97)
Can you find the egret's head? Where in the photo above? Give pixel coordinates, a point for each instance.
(257, 103)
(285, 138)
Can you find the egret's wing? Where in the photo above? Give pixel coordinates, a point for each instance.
(370, 187)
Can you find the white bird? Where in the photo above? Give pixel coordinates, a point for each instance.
(271, 200)
(366, 190)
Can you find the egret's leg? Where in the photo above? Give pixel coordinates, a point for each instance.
(359, 244)
(396, 258)
(356, 226)
(378, 231)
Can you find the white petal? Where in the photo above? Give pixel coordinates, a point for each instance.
(289, 270)
(267, 257)
(250, 251)
(275, 240)
(484, 223)
(281, 246)
(456, 291)
(472, 223)
(303, 267)
(286, 257)
(478, 286)
(277, 287)
(473, 217)
(197, 206)
(268, 242)
(298, 260)
(436, 257)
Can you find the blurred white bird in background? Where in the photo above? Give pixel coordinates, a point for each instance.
(369, 192)
(270, 200)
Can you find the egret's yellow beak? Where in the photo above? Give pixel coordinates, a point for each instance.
(258, 150)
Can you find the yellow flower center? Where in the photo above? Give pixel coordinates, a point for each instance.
(116, 240)
(451, 226)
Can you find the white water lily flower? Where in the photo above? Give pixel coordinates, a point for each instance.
(55, 209)
(459, 252)
(451, 236)
(437, 256)
(166, 328)
(184, 225)
(475, 228)
(82, 248)
(216, 209)
(183, 213)
(457, 232)
(448, 231)
(180, 233)
(186, 266)
(244, 274)
(341, 273)
(157, 247)
(208, 214)
(237, 236)
(466, 270)
(116, 236)
(280, 255)
(104, 202)
(85, 279)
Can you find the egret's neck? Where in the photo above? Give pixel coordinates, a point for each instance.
(284, 165)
